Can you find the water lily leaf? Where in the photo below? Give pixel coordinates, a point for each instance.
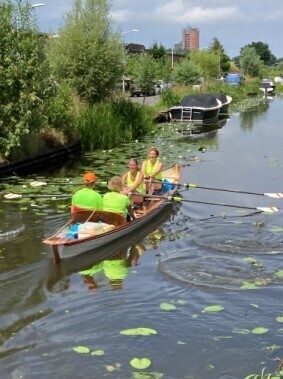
(213, 308)
(255, 305)
(276, 230)
(149, 375)
(138, 332)
(279, 318)
(81, 349)
(167, 307)
(97, 352)
(249, 259)
(272, 347)
(218, 338)
(111, 368)
(279, 273)
(273, 252)
(182, 302)
(195, 315)
(241, 331)
(181, 343)
(140, 363)
(260, 330)
(249, 286)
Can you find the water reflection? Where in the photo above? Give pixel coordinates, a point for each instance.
(116, 268)
(252, 115)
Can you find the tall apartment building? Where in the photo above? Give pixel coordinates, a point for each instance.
(190, 38)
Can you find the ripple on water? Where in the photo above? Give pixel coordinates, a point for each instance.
(233, 237)
(220, 271)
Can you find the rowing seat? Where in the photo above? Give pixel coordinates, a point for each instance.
(96, 216)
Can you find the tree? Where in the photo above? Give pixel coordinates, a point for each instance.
(224, 60)
(187, 72)
(87, 53)
(263, 51)
(250, 62)
(157, 51)
(207, 62)
(23, 84)
(144, 69)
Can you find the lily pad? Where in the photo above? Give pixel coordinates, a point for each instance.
(167, 307)
(249, 286)
(140, 363)
(81, 349)
(272, 347)
(241, 331)
(260, 330)
(138, 332)
(213, 308)
(279, 273)
(279, 319)
(149, 375)
(97, 352)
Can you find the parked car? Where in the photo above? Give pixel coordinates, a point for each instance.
(135, 90)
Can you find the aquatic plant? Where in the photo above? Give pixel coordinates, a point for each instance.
(106, 125)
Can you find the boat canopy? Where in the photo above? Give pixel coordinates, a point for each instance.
(202, 101)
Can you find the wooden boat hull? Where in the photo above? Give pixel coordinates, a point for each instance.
(64, 247)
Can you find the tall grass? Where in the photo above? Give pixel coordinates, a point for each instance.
(106, 125)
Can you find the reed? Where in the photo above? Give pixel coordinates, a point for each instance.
(106, 125)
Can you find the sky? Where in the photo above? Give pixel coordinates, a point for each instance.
(235, 23)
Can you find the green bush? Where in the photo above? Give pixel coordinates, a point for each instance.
(106, 125)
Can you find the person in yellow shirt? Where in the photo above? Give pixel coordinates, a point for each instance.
(133, 182)
(151, 170)
(86, 198)
(115, 201)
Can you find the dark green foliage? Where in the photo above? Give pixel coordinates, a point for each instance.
(88, 54)
(170, 98)
(59, 108)
(158, 52)
(22, 75)
(262, 49)
(111, 124)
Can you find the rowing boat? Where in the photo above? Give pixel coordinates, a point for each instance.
(64, 245)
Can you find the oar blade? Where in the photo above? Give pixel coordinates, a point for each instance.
(38, 184)
(268, 209)
(12, 196)
(276, 195)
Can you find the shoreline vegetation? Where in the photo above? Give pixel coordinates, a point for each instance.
(111, 123)
(59, 89)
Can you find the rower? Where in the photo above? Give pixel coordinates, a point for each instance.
(115, 201)
(151, 169)
(86, 198)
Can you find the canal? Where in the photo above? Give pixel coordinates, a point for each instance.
(196, 296)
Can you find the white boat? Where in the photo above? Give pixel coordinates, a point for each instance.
(267, 86)
(64, 246)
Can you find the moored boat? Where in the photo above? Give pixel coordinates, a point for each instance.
(197, 109)
(64, 245)
(225, 100)
(267, 86)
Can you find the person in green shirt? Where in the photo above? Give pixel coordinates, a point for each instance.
(87, 198)
(115, 201)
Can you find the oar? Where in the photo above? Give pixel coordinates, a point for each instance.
(275, 195)
(40, 184)
(12, 196)
(176, 198)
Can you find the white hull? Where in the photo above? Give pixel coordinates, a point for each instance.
(83, 245)
(64, 247)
